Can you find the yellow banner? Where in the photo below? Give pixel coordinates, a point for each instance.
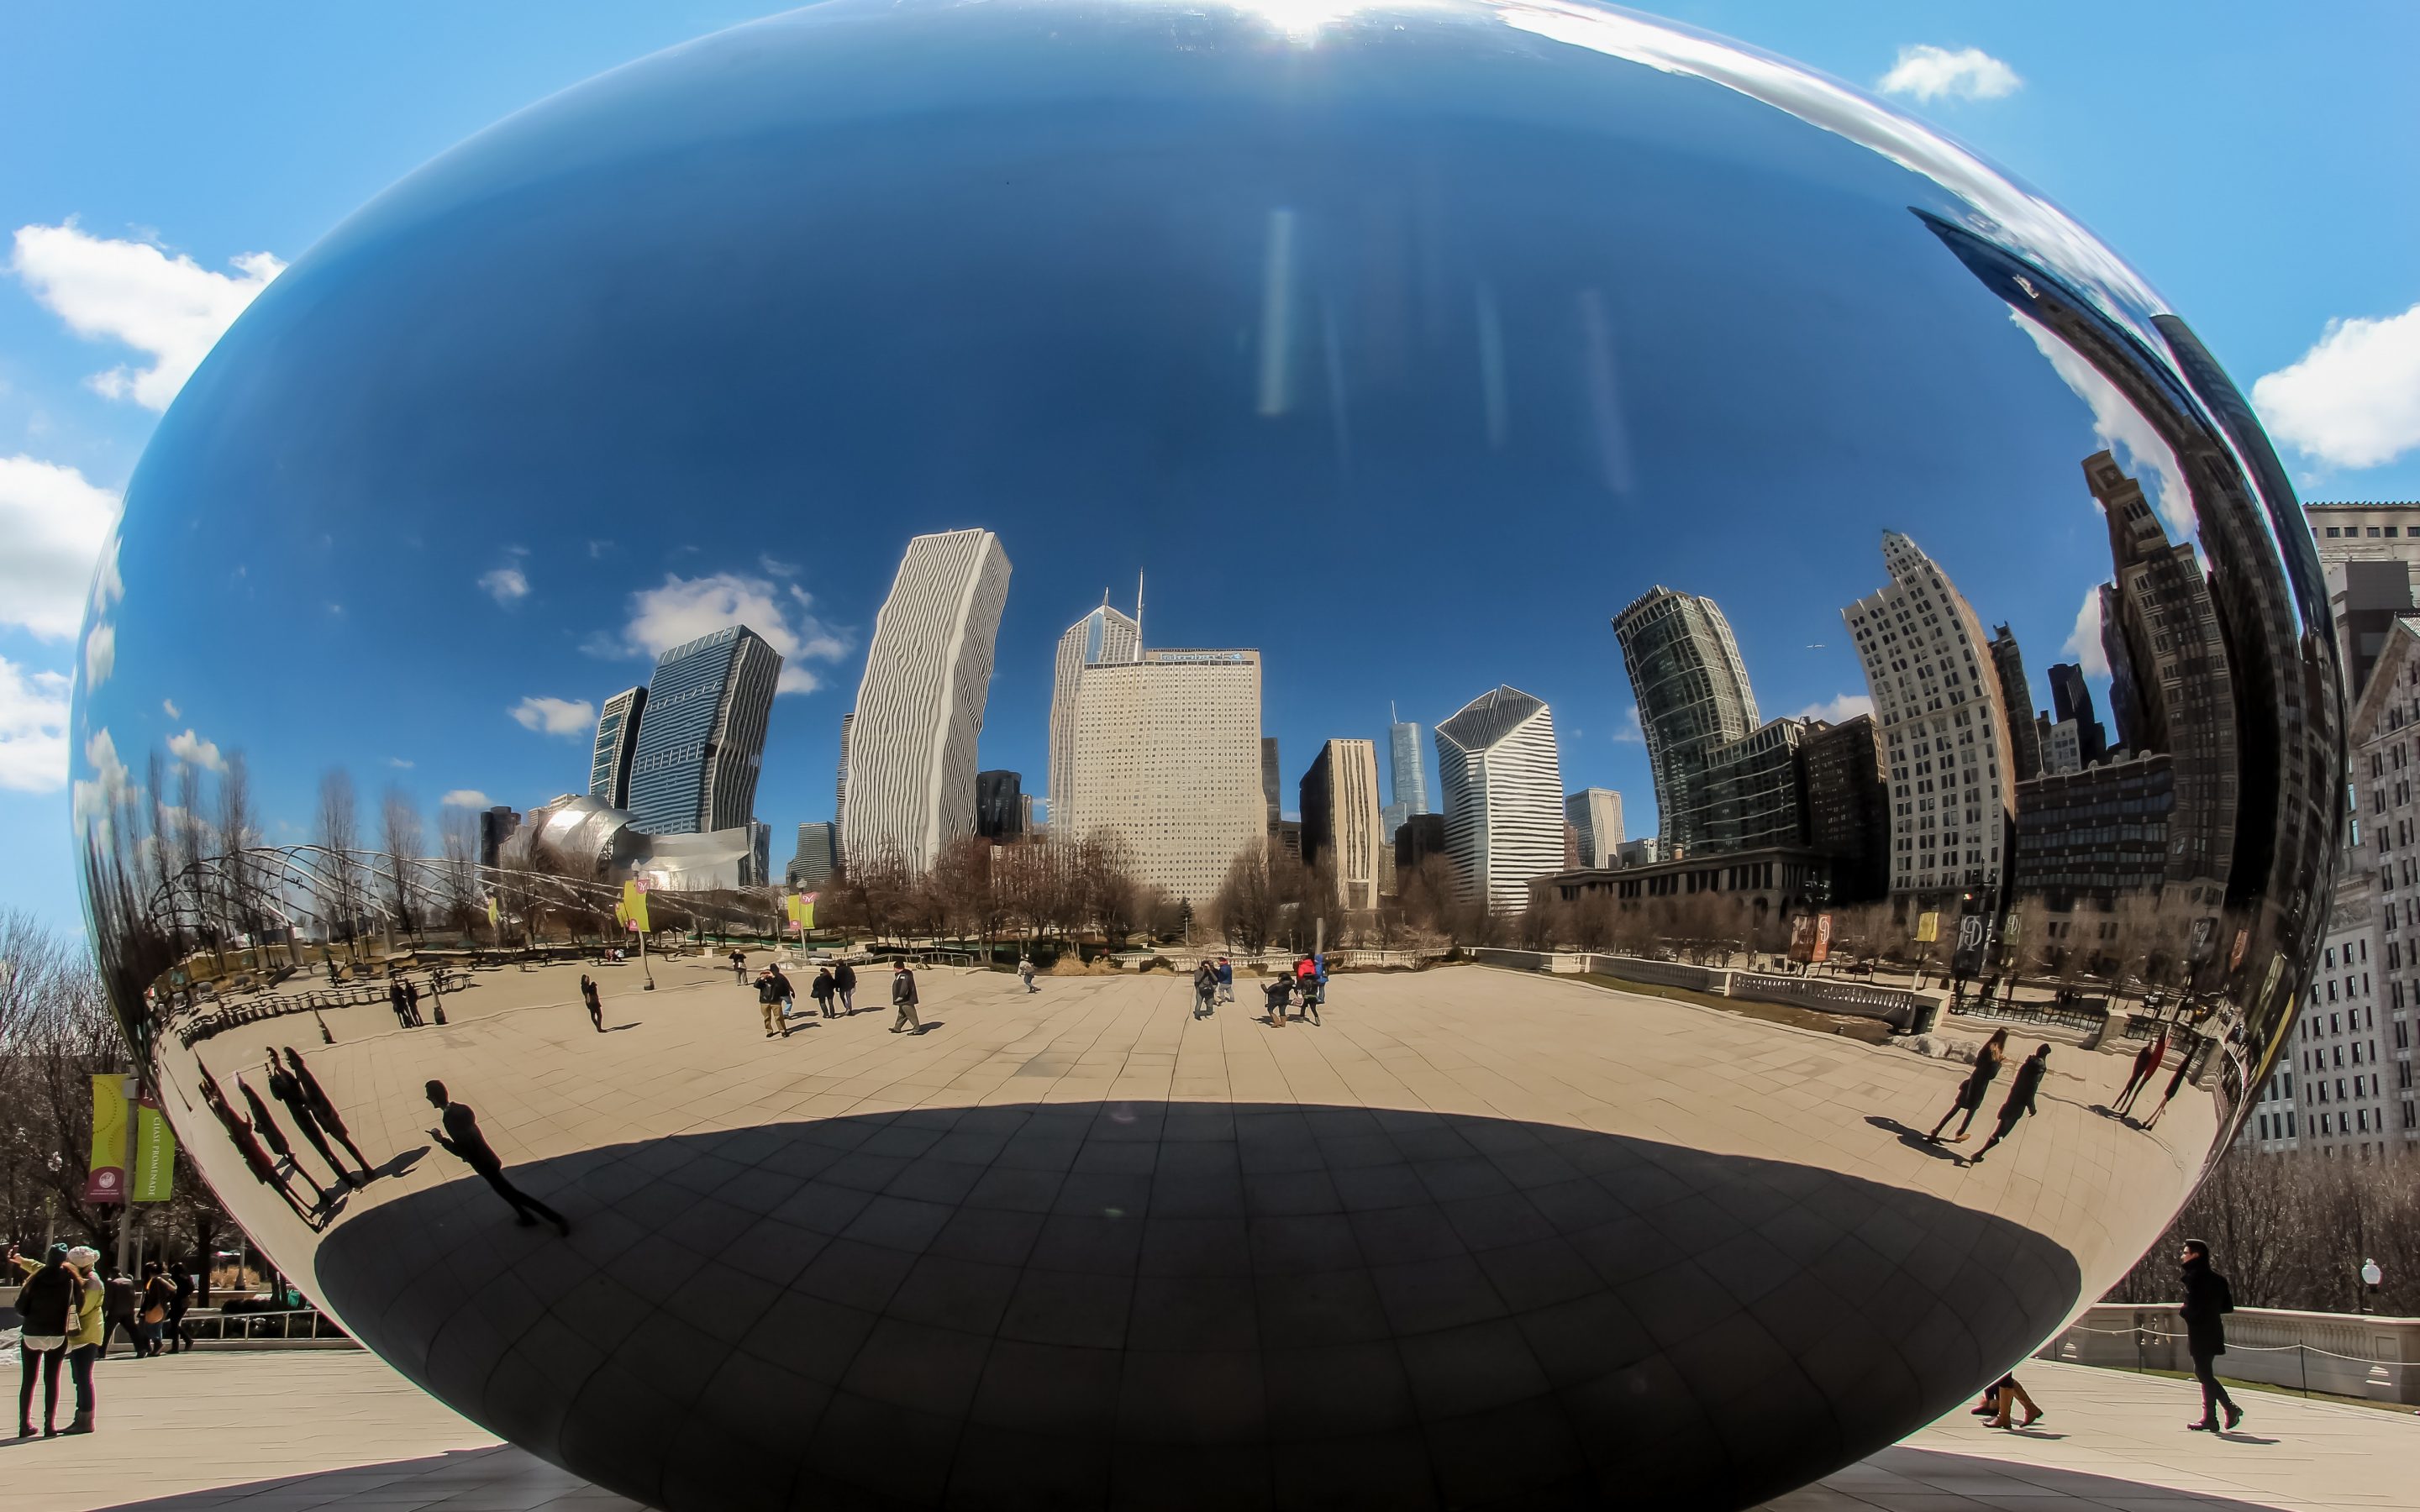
(634, 906)
(491, 911)
(155, 1154)
(1928, 928)
(105, 1177)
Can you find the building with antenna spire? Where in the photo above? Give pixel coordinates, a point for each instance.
(1102, 637)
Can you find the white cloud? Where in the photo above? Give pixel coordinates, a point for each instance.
(506, 585)
(2121, 428)
(170, 704)
(2353, 399)
(684, 609)
(399, 764)
(99, 795)
(1630, 732)
(33, 729)
(56, 526)
(1840, 710)
(2083, 642)
(170, 308)
(1928, 73)
(191, 748)
(557, 716)
(464, 798)
(100, 654)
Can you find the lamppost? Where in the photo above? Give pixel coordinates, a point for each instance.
(2370, 1276)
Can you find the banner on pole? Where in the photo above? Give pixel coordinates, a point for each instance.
(155, 1153)
(634, 905)
(105, 1182)
(491, 910)
(1928, 927)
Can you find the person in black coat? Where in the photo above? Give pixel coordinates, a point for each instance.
(2019, 1101)
(47, 1303)
(264, 1126)
(322, 1106)
(844, 984)
(904, 998)
(2208, 1301)
(1979, 1081)
(461, 1136)
(821, 990)
(287, 1088)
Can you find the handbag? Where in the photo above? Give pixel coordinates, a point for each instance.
(155, 1314)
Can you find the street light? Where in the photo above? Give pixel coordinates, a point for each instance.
(2370, 1276)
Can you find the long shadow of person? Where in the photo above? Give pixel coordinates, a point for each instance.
(616, 1028)
(1914, 1138)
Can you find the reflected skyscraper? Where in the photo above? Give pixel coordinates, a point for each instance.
(1340, 820)
(1503, 786)
(1595, 817)
(817, 855)
(910, 783)
(1271, 783)
(1936, 694)
(1408, 779)
(702, 738)
(1000, 804)
(1105, 634)
(2009, 663)
(617, 746)
(1167, 759)
(2169, 623)
(1693, 694)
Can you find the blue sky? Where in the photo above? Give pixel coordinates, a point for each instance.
(2261, 177)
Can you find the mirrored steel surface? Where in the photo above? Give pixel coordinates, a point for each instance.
(1693, 403)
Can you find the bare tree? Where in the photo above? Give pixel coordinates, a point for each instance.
(338, 835)
(1248, 905)
(399, 838)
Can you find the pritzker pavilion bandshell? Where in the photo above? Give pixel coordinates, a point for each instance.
(1404, 345)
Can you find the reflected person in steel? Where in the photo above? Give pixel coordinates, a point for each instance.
(743, 440)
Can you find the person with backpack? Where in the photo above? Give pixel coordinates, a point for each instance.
(2208, 1301)
(48, 1303)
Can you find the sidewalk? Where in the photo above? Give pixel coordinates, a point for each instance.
(251, 1432)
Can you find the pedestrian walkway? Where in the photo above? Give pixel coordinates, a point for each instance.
(252, 1432)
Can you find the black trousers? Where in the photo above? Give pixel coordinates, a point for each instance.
(2214, 1396)
(523, 1204)
(44, 1364)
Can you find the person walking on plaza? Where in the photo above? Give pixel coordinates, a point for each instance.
(821, 990)
(1226, 980)
(844, 984)
(1316, 990)
(158, 1295)
(1280, 987)
(48, 1306)
(266, 1128)
(180, 1337)
(2147, 1064)
(1206, 990)
(2169, 1096)
(787, 990)
(394, 1000)
(118, 1311)
(739, 966)
(593, 1002)
(904, 998)
(1025, 973)
(769, 1004)
(2019, 1101)
(255, 1159)
(285, 1087)
(2001, 1401)
(1979, 1081)
(411, 1001)
(322, 1106)
(2208, 1301)
(462, 1137)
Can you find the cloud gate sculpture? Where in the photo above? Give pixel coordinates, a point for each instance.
(772, 432)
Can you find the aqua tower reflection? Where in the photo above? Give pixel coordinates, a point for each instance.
(642, 479)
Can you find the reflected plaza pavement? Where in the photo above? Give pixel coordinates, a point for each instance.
(1083, 1239)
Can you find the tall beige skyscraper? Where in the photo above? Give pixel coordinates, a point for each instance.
(1103, 636)
(1165, 755)
(1945, 727)
(910, 763)
(1340, 820)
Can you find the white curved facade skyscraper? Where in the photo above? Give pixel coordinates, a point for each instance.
(910, 780)
(1503, 783)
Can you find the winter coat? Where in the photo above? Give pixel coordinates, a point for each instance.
(2208, 1299)
(2027, 1081)
(823, 987)
(1979, 1081)
(92, 1322)
(902, 989)
(48, 1299)
(845, 976)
